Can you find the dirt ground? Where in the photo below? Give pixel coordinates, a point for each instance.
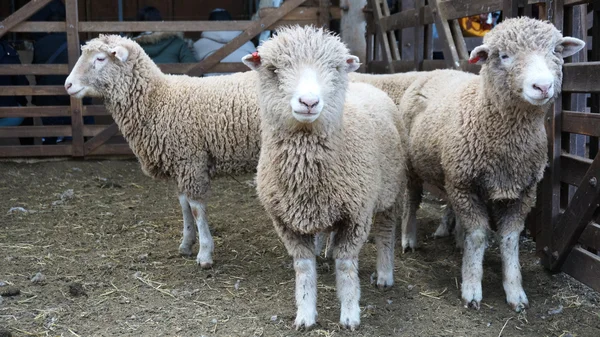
(110, 265)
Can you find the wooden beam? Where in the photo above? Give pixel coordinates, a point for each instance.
(324, 15)
(162, 26)
(39, 27)
(255, 28)
(35, 131)
(510, 8)
(21, 14)
(181, 68)
(455, 9)
(440, 16)
(382, 36)
(95, 110)
(581, 123)
(581, 77)
(584, 266)
(579, 213)
(112, 150)
(35, 151)
(29, 90)
(34, 111)
(303, 13)
(591, 236)
(34, 69)
(101, 138)
(73, 49)
(573, 168)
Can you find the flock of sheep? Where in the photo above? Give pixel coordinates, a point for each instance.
(337, 152)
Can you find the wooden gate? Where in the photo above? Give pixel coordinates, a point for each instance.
(565, 221)
(91, 140)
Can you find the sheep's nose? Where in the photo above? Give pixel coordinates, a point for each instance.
(543, 88)
(310, 101)
(68, 85)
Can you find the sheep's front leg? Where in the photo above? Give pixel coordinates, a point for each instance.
(204, 258)
(510, 217)
(412, 201)
(472, 268)
(511, 272)
(471, 214)
(189, 228)
(302, 249)
(348, 242)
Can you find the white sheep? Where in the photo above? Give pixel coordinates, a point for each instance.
(332, 155)
(179, 127)
(481, 138)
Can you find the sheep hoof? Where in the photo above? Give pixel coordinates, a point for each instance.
(350, 325)
(304, 323)
(473, 304)
(185, 250)
(518, 301)
(205, 265)
(406, 249)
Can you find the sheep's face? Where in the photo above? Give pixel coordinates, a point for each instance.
(95, 71)
(525, 56)
(303, 74)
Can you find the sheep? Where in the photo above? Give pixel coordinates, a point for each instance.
(481, 138)
(353, 27)
(332, 156)
(179, 127)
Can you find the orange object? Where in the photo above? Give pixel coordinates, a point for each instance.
(475, 26)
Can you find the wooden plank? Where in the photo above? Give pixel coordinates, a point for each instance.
(254, 29)
(181, 68)
(576, 2)
(455, 9)
(303, 13)
(459, 40)
(112, 150)
(73, 50)
(391, 35)
(441, 18)
(510, 8)
(21, 14)
(35, 151)
(384, 43)
(323, 14)
(161, 26)
(591, 236)
(584, 266)
(39, 27)
(100, 138)
(380, 67)
(36, 131)
(581, 123)
(571, 224)
(95, 110)
(28, 90)
(419, 39)
(34, 111)
(34, 69)
(406, 18)
(573, 168)
(93, 130)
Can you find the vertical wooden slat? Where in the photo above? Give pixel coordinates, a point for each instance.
(566, 102)
(445, 35)
(324, 15)
(391, 35)
(551, 182)
(510, 8)
(595, 56)
(459, 40)
(419, 47)
(73, 52)
(382, 36)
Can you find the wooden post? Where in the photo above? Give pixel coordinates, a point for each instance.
(382, 36)
(324, 14)
(595, 98)
(510, 8)
(72, 25)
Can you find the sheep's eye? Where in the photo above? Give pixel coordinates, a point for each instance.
(272, 69)
(100, 59)
(504, 56)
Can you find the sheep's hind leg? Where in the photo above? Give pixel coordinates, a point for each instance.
(189, 228)
(385, 238)
(412, 200)
(204, 258)
(447, 224)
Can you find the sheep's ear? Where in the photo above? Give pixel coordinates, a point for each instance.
(252, 61)
(569, 46)
(120, 52)
(479, 55)
(352, 63)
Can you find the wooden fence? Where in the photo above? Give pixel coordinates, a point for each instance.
(97, 140)
(565, 221)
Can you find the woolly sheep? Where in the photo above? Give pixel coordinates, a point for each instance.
(179, 127)
(331, 157)
(481, 138)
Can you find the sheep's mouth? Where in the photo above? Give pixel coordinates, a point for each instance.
(537, 101)
(75, 93)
